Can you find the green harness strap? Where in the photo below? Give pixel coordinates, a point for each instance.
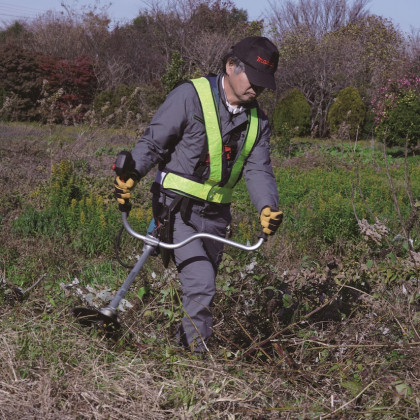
(209, 190)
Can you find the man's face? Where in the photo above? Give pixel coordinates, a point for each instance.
(239, 90)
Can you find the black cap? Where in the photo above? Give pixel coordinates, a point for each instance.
(260, 57)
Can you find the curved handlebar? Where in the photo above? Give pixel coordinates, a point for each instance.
(151, 240)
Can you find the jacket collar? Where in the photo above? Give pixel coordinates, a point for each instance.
(230, 108)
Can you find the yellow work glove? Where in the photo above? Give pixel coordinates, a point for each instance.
(270, 220)
(123, 189)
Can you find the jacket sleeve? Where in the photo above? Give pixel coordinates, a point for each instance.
(258, 172)
(163, 132)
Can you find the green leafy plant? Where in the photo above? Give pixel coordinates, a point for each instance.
(403, 123)
(282, 142)
(174, 72)
(292, 114)
(347, 114)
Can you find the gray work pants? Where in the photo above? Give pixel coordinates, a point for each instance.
(197, 264)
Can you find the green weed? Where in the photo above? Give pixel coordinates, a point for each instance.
(74, 214)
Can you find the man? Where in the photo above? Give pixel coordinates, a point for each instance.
(202, 150)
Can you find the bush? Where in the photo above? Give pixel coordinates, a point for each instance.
(71, 214)
(76, 215)
(282, 143)
(41, 87)
(20, 78)
(174, 72)
(108, 101)
(404, 121)
(76, 78)
(3, 95)
(124, 103)
(292, 113)
(396, 109)
(347, 114)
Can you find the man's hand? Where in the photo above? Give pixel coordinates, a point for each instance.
(270, 220)
(123, 189)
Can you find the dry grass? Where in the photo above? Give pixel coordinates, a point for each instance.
(52, 368)
(263, 364)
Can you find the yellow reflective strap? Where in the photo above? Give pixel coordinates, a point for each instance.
(250, 139)
(206, 191)
(211, 122)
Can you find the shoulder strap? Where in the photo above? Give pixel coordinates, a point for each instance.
(201, 165)
(213, 83)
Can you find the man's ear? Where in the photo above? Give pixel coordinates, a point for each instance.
(230, 67)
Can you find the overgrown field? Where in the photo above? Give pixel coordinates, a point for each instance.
(323, 321)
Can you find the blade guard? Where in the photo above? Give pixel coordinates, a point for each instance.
(107, 320)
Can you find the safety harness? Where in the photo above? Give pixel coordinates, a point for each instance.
(211, 189)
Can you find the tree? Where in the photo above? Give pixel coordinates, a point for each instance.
(378, 51)
(20, 79)
(327, 45)
(413, 51)
(201, 31)
(70, 34)
(210, 31)
(15, 34)
(317, 16)
(133, 55)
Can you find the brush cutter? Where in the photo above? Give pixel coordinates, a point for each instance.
(106, 318)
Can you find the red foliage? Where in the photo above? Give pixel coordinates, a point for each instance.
(22, 73)
(76, 77)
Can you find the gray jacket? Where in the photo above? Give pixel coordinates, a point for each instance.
(176, 137)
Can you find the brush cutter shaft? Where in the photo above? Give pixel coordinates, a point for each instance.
(122, 291)
(155, 242)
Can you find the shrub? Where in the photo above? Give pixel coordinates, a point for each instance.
(282, 143)
(71, 214)
(347, 114)
(292, 113)
(404, 121)
(20, 78)
(74, 79)
(396, 109)
(121, 105)
(77, 216)
(109, 101)
(3, 95)
(41, 87)
(174, 72)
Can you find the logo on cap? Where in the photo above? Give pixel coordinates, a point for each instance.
(266, 62)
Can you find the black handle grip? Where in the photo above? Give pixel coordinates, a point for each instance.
(263, 236)
(126, 207)
(124, 166)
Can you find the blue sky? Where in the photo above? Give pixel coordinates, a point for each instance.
(403, 13)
